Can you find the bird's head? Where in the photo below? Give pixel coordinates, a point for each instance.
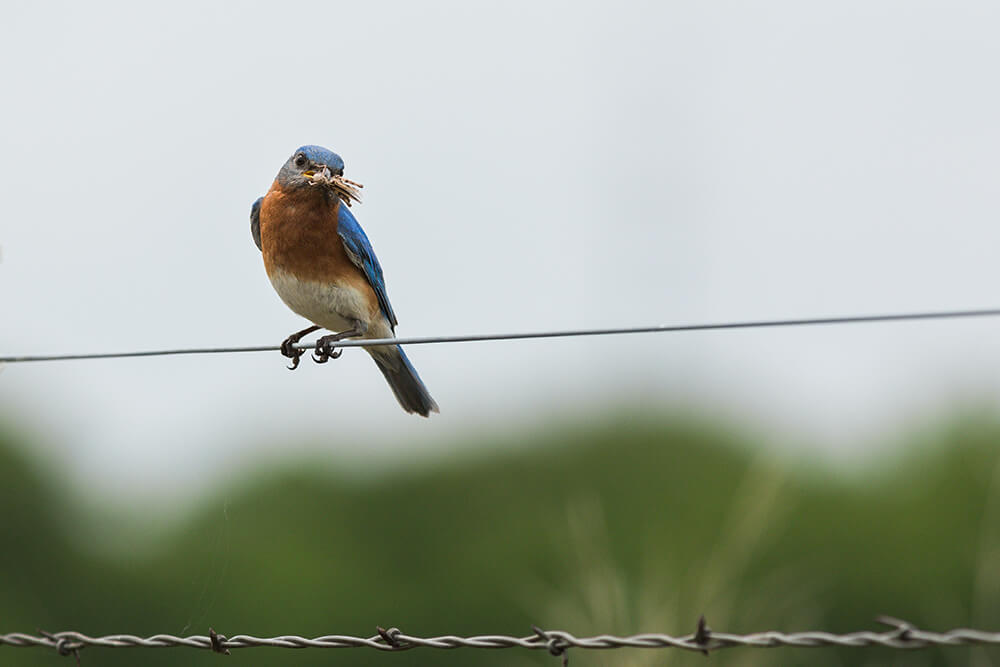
(315, 166)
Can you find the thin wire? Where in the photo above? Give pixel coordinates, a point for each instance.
(903, 635)
(664, 328)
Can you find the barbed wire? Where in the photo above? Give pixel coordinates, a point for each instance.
(473, 338)
(902, 635)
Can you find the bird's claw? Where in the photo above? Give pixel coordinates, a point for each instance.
(288, 348)
(325, 351)
(291, 352)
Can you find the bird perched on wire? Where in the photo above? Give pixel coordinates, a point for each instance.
(323, 267)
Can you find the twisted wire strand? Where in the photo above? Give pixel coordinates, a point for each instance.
(903, 636)
(473, 338)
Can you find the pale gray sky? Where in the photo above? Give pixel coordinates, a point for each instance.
(527, 166)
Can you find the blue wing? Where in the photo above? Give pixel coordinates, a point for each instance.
(361, 253)
(255, 222)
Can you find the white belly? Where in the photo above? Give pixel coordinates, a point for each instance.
(331, 307)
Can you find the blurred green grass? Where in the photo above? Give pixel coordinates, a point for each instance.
(633, 525)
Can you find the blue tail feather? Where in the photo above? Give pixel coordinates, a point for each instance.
(404, 381)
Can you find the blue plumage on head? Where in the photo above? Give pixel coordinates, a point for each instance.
(322, 155)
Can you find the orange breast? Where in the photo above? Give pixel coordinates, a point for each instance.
(298, 235)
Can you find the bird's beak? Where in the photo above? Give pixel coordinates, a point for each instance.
(321, 175)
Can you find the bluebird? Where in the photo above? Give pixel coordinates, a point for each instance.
(323, 267)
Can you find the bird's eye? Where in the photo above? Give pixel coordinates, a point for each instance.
(300, 160)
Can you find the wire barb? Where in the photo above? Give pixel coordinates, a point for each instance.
(702, 634)
(390, 636)
(218, 642)
(903, 629)
(475, 338)
(62, 645)
(556, 646)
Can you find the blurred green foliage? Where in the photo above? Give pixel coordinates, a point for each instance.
(632, 526)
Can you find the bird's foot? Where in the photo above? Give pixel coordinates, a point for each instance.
(325, 351)
(289, 350)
